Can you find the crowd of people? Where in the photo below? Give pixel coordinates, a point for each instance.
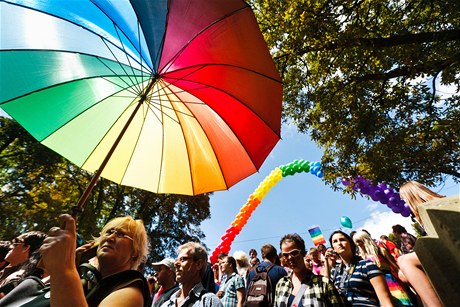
(38, 269)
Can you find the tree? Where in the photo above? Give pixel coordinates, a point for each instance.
(362, 78)
(38, 184)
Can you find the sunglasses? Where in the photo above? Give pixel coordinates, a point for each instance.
(118, 233)
(293, 253)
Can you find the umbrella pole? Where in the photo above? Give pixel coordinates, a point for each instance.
(79, 207)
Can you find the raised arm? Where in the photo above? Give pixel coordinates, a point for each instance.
(58, 256)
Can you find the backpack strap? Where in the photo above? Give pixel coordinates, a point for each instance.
(270, 266)
(267, 268)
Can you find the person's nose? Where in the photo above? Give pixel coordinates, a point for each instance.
(111, 237)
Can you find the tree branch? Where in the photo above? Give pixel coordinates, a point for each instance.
(387, 42)
(428, 67)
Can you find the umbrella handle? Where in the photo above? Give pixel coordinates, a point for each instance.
(75, 212)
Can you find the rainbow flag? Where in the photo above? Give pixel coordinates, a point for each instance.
(317, 236)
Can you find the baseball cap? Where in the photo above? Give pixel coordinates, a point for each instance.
(168, 262)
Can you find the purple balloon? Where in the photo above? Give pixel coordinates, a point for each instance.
(379, 194)
(405, 213)
(407, 207)
(392, 201)
(346, 182)
(373, 193)
(382, 186)
(364, 190)
(388, 193)
(384, 200)
(373, 188)
(397, 209)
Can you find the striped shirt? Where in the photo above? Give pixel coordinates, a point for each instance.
(354, 283)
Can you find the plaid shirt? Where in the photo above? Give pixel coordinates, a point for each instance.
(197, 297)
(320, 292)
(233, 283)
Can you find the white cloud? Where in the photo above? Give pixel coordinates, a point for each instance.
(380, 223)
(372, 206)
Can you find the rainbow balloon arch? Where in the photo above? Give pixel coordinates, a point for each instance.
(380, 192)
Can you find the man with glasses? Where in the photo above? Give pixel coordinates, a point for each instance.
(22, 249)
(165, 273)
(190, 266)
(301, 287)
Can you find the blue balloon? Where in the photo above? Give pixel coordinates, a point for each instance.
(346, 222)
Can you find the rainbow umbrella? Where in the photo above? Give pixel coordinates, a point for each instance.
(178, 96)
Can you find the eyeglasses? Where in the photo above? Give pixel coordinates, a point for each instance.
(118, 233)
(17, 241)
(293, 253)
(183, 259)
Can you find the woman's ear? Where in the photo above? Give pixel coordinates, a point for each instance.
(26, 248)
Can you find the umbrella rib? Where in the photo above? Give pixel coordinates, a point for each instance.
(140, 47)
(55, 85)
(128, 88)
(207, 137)
(227, 93)
(199, 67)
(127, 37)
(203, 65)
(121, 66)
(77, 24)
(164, 85)
(126, 54)
(173, 59)
(134, 84)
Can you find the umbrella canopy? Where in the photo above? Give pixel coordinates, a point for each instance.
(178, 96)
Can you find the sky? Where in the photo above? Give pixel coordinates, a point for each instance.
(297, 203)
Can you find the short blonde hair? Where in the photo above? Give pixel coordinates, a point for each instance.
(136, 230)
(241, 259)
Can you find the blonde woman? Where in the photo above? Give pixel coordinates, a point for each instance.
(122, 248)
(242, 264)
(415, 194)
(369, 250)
